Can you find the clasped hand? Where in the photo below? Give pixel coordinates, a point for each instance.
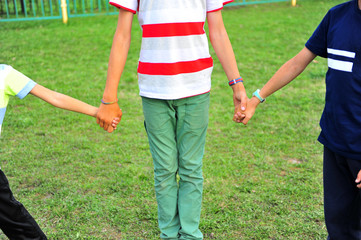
(109, 116)
(244, 116)
(244, 108)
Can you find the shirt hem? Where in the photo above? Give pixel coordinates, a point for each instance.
(350, 155)
(171, 98)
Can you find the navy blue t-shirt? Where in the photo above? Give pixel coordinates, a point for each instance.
(338, 38)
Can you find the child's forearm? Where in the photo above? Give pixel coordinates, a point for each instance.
(287, 72)
(63, 101)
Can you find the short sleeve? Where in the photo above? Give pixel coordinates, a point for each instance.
(215, 5)
(129, 5)
(12, 83)
(15, 83)
(317, 43)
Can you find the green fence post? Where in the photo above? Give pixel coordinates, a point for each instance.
(59, 5)
(42, 7)
(25, 10)
(7, 9)
(33, 6)
(75, 10)
(67, 10)
(51, 8)
(83, 5)
(16, 9)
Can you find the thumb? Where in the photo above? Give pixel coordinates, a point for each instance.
(243, 103)
(245, 120)
(110, 129)
(358, 179)
(120, 114)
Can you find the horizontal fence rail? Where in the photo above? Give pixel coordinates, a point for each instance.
(27, 10)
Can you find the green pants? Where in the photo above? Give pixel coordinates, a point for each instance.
(176, 132)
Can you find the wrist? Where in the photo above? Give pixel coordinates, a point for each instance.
(255, 101)
(105, 102)
(235, 81)
(238, 87)
(257, 95)
(110, 95)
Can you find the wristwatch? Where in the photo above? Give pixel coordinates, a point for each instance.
(256, 94)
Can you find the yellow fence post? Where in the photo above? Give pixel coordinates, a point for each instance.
(64, 11)
(293, 3)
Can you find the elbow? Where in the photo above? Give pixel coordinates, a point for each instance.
(122, 38)
(216, 36)
(57, 100)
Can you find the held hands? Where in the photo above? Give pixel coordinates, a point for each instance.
(108, 116)
(245, 116)
(244, 108)
(239, 101)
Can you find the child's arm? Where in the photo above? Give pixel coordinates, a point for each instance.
(63, 101)
(118, 56)
(285, 74)
(68, 103)
(223, 48)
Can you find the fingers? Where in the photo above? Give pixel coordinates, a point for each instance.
(106, 126)
(241, 118)
(235, 118)
(240, 110)
(238, 117)
(115, 122)
(101, 123)
(358, 180)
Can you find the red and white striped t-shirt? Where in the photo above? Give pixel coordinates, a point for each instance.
(174, 58)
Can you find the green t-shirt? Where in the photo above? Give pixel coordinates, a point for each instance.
(12, 83)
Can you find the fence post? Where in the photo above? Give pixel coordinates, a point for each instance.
(64, 11)
(293, 3)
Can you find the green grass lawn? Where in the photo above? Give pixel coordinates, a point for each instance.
(262, 181)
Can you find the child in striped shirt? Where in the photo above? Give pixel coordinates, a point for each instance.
(174, 76)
